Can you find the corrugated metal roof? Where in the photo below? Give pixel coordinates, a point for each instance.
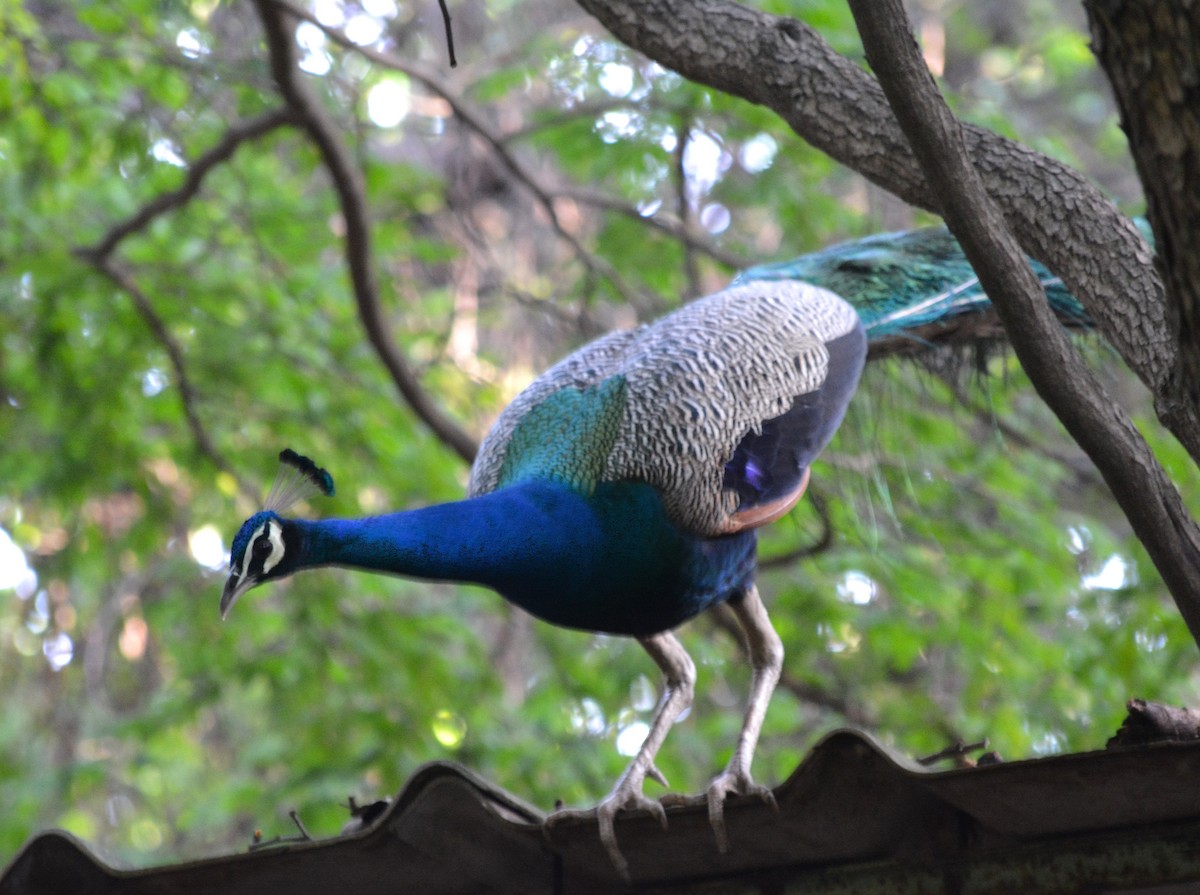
(853, 817)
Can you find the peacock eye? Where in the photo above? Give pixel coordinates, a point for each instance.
(262, 547)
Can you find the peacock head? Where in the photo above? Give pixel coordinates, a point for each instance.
(264, 548)
(258, 554)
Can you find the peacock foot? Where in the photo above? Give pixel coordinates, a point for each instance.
(738, 782)
(627, 795)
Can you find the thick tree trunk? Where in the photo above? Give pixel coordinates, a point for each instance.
(1150, 50)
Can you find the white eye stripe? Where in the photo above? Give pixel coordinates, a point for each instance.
(275, 534)
(249, 554)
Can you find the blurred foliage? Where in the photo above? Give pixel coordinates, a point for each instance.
(981, 582)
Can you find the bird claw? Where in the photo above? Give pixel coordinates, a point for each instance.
(626, 796)
(657, 776)
(738, 783)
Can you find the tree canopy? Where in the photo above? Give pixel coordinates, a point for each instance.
(234, 227)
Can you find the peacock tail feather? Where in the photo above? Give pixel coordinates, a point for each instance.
(903, 281)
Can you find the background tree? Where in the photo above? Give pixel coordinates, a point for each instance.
(233, 227)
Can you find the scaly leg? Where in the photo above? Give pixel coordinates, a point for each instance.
(680, 673)
(766, 661)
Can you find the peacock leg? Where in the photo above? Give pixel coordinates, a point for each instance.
(680, 673)
(766, 661)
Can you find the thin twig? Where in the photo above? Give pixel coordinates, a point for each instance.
(683, 203)
(295, 816)
(449, 33)
(665, 223)
(958, 751)
(304, 836)
(1082, 468)
(820, 545)
(99, 255)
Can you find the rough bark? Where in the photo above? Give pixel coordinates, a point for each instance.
(1100, 426)
(1056, 215)
(1150, 50)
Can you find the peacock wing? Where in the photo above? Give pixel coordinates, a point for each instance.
(727, 401)
(721, 406)
(540, 446)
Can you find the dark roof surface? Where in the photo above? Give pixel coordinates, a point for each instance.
(853, 817)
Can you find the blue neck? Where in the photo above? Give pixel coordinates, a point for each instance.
(591, 562)
(487, 540)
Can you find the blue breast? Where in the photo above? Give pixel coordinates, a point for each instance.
(641, 575)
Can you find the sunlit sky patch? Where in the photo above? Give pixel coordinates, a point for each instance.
(642, 695)
(190, 45)
(207, 548)
(715, 218)
(14, 568)
(647, 209)
(616, 79)
(389, 101)
(631, 737)
(364, 30)
(311, 39)
(1150, 641)
(1115, 574)
(618, 124)
(58, 649)
(330, 13)
(857, 588)
(758, 153)
(702, 161)
(1078, 539)
(586, 716)
(164, 150)
(154, 381)
(1049, 743)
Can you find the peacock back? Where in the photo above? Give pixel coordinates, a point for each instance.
(673, 403)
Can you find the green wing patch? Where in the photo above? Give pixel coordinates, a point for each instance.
(568, 437)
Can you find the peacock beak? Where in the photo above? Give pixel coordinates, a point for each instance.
(235, 586)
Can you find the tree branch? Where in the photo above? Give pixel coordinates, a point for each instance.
(237, 134)
(187, 393)
(351, 192)
(1059, 218)
(1150, 50)
(1082, 469)
(823, 542)
(1101, 428)
(661, 221)
(475, 123)
(99, 255)
(683, 201)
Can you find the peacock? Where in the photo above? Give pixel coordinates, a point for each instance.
(620, 492)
